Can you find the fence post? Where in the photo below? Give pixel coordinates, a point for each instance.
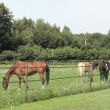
(90, 75)
(26, 79)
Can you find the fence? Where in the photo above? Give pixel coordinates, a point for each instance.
(53, 68)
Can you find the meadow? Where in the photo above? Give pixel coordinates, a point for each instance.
(99, 100)
(64, 80)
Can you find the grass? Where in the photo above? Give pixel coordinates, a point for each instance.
(99, 100)
(56, 88)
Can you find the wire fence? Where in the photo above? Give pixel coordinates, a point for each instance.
(52, 79)
(51, 67)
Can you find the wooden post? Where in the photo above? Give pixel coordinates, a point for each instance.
(90, 75)
(26, 79)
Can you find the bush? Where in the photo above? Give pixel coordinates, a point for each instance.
(29, 52)
(34, 52)
(8, 55)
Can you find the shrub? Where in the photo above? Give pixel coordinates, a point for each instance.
(29, 52)
(8, 55)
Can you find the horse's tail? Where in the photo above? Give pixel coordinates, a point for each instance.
(47, 73)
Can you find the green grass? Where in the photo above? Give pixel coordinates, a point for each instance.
(56, 88)
(99, 100)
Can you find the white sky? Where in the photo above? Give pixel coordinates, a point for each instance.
(80, 16)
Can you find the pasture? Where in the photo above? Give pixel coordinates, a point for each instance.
(98, 100)
(64, 80)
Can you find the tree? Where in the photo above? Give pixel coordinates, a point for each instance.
(23, 32)
(45, 35)
(108, 34)
(5, 27)
(66, 30)
(67, 36)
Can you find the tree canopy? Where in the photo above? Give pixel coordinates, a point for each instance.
(17, 34)
(5, 27)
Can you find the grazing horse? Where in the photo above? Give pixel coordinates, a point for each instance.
(87, 67)
(21, 68)
(104, 67)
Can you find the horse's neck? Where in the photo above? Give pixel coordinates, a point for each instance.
(9, 74)
(93, 65)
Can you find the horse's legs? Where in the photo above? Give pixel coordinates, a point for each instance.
(106, 77)
(102, 77)
(90, 76)
(81, 75)
(42, 80)
(22, 77)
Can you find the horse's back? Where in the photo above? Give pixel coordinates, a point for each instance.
(32, 67)
(41, 66)
(29, 64)
(84, 66)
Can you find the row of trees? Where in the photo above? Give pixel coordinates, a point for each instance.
(22, 33)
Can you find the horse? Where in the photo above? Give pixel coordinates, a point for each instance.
(19, 69)
(104, 68)
(87, 67)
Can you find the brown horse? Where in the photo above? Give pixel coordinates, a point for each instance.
(87, 67)
(19, 69)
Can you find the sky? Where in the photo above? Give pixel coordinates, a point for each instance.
(81, 16)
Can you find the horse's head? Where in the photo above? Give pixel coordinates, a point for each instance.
(95, 64)
(5, 83)
(104, 66)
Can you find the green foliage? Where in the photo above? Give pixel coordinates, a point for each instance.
(45, 35)
(23, 32)
(8, 56)
(25, 35)
(29, 52)
(34, 52)
(5, 28)
(65, 53)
